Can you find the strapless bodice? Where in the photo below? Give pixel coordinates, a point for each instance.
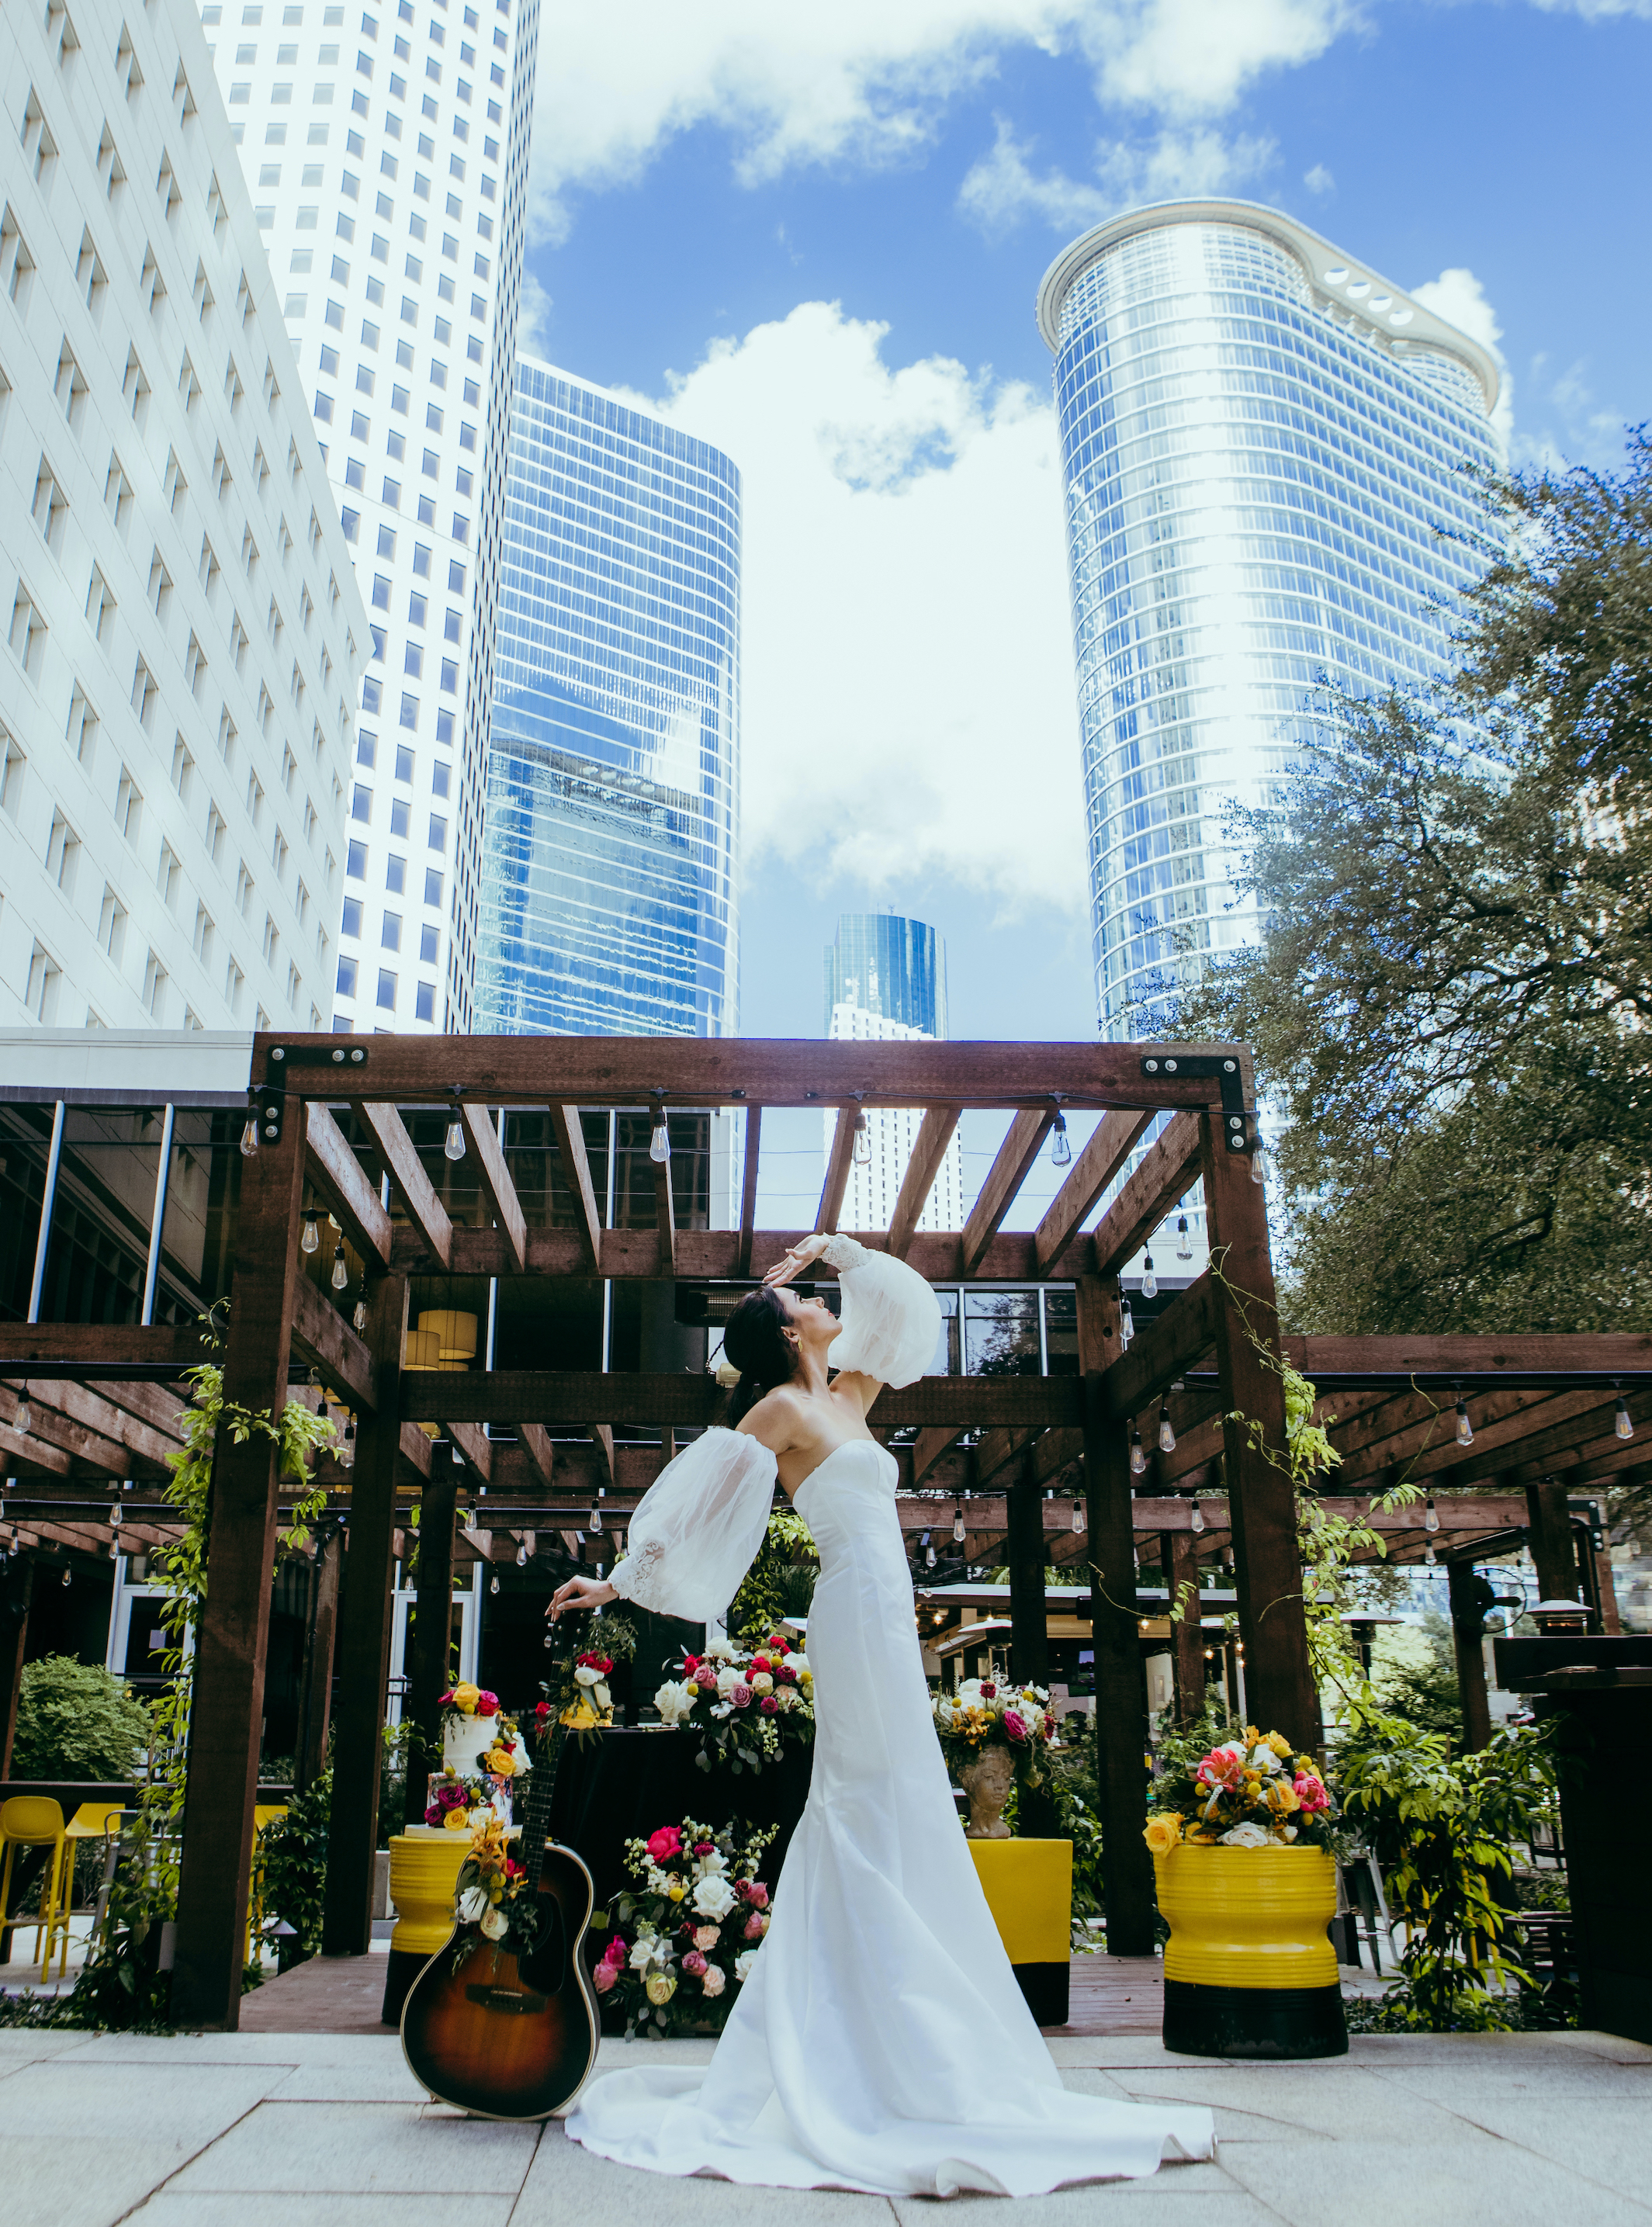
(838, 1490)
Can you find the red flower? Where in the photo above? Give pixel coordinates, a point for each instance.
(443, 1700)
(690, 1662)
(989, 1692)
(615, 1952)
(542, 1712)
(702, 1847)
(768, 1706)
(761, 1662)
(666, 1843)
(783, 1676)
(777, 1642)
(487, 1705)
(1015, 1725)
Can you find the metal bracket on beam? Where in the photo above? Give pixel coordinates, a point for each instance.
(269, 1100)
(1240, 1131)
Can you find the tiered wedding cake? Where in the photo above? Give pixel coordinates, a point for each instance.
(476, 1740)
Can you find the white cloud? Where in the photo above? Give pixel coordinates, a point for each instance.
(1576, 428)
(908, 692)
(1320, 180)
(1458, 296)
(1002, 190)
(865, 82)
(532, 316)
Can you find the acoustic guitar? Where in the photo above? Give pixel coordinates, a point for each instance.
(506, 2039)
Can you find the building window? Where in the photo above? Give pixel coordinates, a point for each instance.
(400, 810)
(347, 977)
(356, 863)
(425, 1004)
(396, 874)
(386, 990)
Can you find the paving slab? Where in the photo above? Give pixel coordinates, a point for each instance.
(1375, 2184)
(93, 2182)
(363, 2149)
(173, 2207)
(1295, 2101)
(59, 2101)
(567, 2184)
(1176, 2196)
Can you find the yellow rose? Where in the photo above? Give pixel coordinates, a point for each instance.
(660, 1987)
(466, 1696)
(1283, 1798)
(457, 1820)
(1161, 1834)
(502, 1765)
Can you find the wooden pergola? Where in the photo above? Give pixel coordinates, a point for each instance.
(1000, 1444)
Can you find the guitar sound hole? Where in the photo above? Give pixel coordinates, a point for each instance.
(546, 1968)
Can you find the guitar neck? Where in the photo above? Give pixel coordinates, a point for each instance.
(537, 1826)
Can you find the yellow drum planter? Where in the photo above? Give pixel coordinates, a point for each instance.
(423, 1871)
(1249, 1970)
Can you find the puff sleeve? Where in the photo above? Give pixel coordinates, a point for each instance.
(891, 1320)
(697, 1529)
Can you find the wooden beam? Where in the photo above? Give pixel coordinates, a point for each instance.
(1427, 1446)
(602, 1437)
(429, 1639)
(1187, 1634)
(316, 1694)
(227, 1712)
(1011, 1165)
(578, 1396)
(415, 1448)
(321, 1334)
(576, 1169)
(927, 1450)
(475, 1445)
(95, 1430)
(342, 1181)
(1029, 1620)
(1555, 1443)
(69, 1348)
(522, 1070)
(483, 1140)
(1164, 1350)
(748, 1189)
(836, 1175)
(997, 1450)
(1164, 1172)
(408, 1180)
(1602, 1353)
(535, 1442)
(928, 1152)
(1113, 1140)
(27, 1456)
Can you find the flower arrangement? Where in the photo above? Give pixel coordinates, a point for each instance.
(465, 1700)
(744, 1702)
(1252, 1791)
(457, 1799)
(580, 1695)
(685, 1940)
(986, 1713)
(490, 1894)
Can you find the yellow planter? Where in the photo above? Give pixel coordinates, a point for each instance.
(1029, 1889)
(1248, 1968)
(424, 1871)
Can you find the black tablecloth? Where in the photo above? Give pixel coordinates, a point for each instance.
(625, 1785)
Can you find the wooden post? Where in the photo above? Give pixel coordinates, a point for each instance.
(1182, 1569)
(1120, 1694)
(1554, 1549)
(1029, 1612)
(1467, 1629)
(1279, 1690)
(227, 1706)
(427, 1657)
(314, 1707)
(364, 1636)
(16, 1590)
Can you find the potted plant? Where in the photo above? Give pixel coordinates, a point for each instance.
(992, 1734)
(1241, 1841)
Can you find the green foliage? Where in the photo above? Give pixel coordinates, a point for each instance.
(294, 1857)
(1426, 1694)
(1453, 1000)
(780, 1577)
(1442, 1831)
(76, 1720)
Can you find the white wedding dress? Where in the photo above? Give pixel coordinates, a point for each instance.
(880, 2043)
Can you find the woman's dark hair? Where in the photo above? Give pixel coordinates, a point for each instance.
(755, 1343)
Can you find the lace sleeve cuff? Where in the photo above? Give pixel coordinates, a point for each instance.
(842, 1253)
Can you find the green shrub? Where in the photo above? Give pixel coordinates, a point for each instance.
(77, 1721)
(294, 1852)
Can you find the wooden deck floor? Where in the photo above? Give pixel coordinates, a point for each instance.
(342, 1995)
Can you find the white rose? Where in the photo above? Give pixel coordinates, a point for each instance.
(713, 1896)
(493, 1922)
(472, 1903)
(641, 1955)
(763, 1683)
(585, 1676)
(719, 1650)
(601, 1696)
(723, 1708)
(715, 1861)
(1245, 1836)
(800, 1664)
(743, 1964)
(727, 1679)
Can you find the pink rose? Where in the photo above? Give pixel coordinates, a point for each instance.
(707, 1936)
(756, 1925)
(783, 1676)
(605, 1976)
(434, 1814)
(666, 1842)
(487, 1705)
(1311, 1792)
(702, 1847)
(1015, 1724)
(714, 1980)
(705, 1677)
(757, 1895)
(694, 1962)
(615, 1952)
(769, 1706)
(741, 1695)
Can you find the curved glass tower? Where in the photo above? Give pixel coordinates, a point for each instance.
(893, 968)
(608, 904)
(1264, 448)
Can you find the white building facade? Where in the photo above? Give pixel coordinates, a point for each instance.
(891, 1132)
(185, 641)
(387, 157)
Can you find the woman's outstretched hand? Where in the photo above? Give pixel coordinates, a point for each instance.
(580, 1592)
(793, 1263)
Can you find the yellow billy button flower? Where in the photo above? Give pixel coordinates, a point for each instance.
(676, 1890)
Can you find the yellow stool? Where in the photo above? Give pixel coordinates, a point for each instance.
(1029, 1889)
(91, 1821)
(34, 1821)
(424, 1871)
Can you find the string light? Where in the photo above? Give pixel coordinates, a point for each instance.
(1060, 1150)
(1126, 1322)
(68, 1577)
(1138, 1457)
(1465, 1427)
(458, 1458)
(250, 1133)
(597, 1513)
(1166, 1435)
(24, 1416)
(359, 1318)
(862, 1154)
(340, 1270)
(1184, 1242)
(1259, 1159)
(928, 1552)
(1149, 1281)
(1430, 1515)
(312, 1236)
(1078, 1516)
(1428, 1557)
(493, 1584)
(659, 1137)
(1622, 1422)
(959, 1532)
(453, 1143)
(521, 1553)
(1196, 1521)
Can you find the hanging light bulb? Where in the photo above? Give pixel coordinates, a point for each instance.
(493, 1585)
(521, 1553)
(347, 1451)
(1196, 1521)
(1126, 1322)
(660, 1139)
(469, 1516)
(15, 1546)
(114, 1514)
(1623, 1423)
(340, 1270)
(250, 1133)
(312, 1236)
(929, 1553)
(1465, 1427)
(1428, 1556)
(24, 1416)
(1138, 1457)
(1259, 1160)
(1060, 1150)
(1166, 1435)
(1184, 1242)
(68, 1577)
(595, 1517)
(1430, 1515)
(1149, 1281)
(359, 1318)
(1078, 1516)
(453, 1143)
(958, 1527)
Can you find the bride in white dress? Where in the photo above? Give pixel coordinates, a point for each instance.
(880, 2043)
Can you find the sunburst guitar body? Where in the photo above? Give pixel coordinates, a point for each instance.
(506, 2039)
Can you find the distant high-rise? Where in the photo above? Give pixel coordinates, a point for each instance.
(185, 640)
(886, 981)
(613, 787)
(388, 163)
(881, 964)
(1265, 450)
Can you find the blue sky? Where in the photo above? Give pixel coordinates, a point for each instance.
(816, 240)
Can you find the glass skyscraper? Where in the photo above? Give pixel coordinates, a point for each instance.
(607, 901)
(1265, 450)
(893, 968)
